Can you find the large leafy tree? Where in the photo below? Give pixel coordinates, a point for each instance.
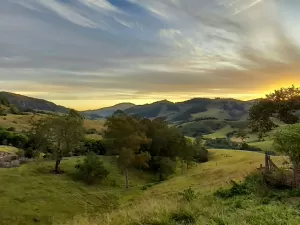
(287, 142)
(125, 135)
(281, 104)
(59, 135)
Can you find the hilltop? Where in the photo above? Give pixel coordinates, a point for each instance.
(194, 117)
(107, 111)
(28, 103)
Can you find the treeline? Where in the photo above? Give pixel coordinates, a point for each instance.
(150, 145)
(226, 143)
(26, 141)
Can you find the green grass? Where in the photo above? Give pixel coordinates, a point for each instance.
(264, 145)
(162, 204)
(4, 148)
(212, 112)
(220, 133)
(32, 193)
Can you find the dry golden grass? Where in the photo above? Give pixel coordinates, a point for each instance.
(97, 124)
(22, 122)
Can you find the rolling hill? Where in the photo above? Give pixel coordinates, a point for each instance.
(193, 109)
(107, 111)
(25, 103)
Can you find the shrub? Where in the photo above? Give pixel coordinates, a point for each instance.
(11, 129)
(20, 153)
(19, 140)
(235, 190)
(188, 195)
(92, 145)
(91, 131)
(91, 169)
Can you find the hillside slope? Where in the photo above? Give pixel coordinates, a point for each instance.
(25, 102)
(162, 203)
(193, 109)
(108, 111)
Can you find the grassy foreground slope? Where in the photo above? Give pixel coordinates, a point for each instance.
(31, 194)
(162, 205)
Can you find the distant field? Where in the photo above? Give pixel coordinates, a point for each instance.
(264, 145)
(220, 133)
(22, 122)
(212, 112)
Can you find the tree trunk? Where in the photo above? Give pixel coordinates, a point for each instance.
(126, 178)
(182, 167)
(296, 174)
(267, 166)
(57, 167)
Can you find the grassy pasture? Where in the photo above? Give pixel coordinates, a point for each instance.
(220, 133)
(161, 204)
(31, 194)
(22, 123)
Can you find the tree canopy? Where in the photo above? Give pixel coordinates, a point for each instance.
(281, 104)
(59, 135)
(149, 144)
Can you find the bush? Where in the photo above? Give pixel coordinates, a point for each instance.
(91, 169)
(253, 184)
(20, 153)
(11, 129)
(235, 190)
(91, 131)
(188, 195)
(92, 145)
(19, 140)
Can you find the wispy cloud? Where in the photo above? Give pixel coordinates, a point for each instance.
(146, 50)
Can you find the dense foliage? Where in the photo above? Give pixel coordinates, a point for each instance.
(226, 143)
(282, 104)
(287, 142)
(91, 169)
(17, 140)
(150, 144)
(59, 135)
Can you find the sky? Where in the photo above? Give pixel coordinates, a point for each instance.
(88, 54)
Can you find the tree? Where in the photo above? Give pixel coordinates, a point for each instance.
(241, 134)
(58, 134)
(91, 169)
(287, 142)
(281, 104)
(125, 135)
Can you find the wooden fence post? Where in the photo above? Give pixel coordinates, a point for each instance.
(267, 166)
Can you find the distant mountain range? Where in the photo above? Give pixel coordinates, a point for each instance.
(190, 110)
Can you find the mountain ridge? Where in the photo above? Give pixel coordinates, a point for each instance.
(191, 109)
(25, 102)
